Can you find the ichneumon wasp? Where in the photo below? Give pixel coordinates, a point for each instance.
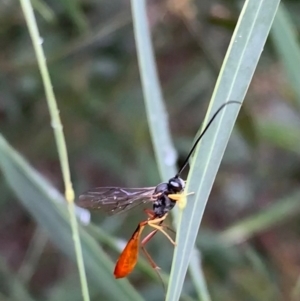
(163, 197)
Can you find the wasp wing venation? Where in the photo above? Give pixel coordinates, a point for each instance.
(115, 199)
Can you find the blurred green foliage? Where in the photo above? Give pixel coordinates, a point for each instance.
(92, 60)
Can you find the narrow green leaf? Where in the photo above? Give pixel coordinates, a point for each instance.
(157, 115)
(284, 36)
(155, 108)
(59, 138)
(240, 62)
(275, 214)
(11, 285)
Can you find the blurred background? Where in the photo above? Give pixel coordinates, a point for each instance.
(249, 238)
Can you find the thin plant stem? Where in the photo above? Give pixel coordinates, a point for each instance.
(59, 137)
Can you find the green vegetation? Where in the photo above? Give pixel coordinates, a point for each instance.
(126, 110)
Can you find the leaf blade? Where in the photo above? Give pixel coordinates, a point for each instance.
(40, 199)
(240, 61)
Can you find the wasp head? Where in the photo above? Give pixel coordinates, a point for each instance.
(176, 184)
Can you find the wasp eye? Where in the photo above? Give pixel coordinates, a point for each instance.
(174, 184)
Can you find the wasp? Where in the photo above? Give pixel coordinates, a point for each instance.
(163, 198)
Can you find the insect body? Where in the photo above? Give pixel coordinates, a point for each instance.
(114, 200)
(163, 198)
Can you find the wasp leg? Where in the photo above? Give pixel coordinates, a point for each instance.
(151, 216)
(156, 225)
(143, 244)
(180, 198)
(169, 228)
(150, 213)
(149, 258)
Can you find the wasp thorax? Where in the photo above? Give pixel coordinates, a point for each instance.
(161, 188)
(176, 184)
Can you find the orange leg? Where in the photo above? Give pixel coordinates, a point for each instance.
(150, 213)
(156, 224)
(143, 243)
(149, 258)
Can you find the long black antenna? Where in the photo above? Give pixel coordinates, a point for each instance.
(202, 134)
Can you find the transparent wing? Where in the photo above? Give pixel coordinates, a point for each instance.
(114, 200)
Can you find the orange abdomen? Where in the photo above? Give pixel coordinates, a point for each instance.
(128, 257)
